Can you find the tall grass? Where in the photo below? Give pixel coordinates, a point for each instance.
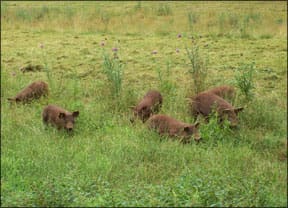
(221, 22)
(164, 10)
(198, 68)
(113, 70)
(166, 84)
(192, 20)
(47, 68)
(244, 79)
(84, 17)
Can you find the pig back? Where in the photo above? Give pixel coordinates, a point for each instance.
(204, 102)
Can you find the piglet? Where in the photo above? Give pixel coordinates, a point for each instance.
(204, 103)
(224, 91)
(33, 91)
(150, 104)
(59, 117)
(166, 125)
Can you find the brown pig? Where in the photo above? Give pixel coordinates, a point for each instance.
(32, 68)
(224, 91)
(166, 125)
(205, 102)
(33, 91)
(59, 117)
(150, 104)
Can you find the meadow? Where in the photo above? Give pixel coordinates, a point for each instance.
(100, 58)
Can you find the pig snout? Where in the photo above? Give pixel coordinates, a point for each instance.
(234, 126)
(69, 126)
(233, 123)
(197, 137)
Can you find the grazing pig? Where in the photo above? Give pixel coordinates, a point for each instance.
(151, 103)
(33, 91)
(223, 91)
(205, 102)
(59, 117)
(32, 68)
(166, 125)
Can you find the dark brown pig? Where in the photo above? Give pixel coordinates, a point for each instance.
(30, 68)
(166, 125)
(33, 91)
(224, 91)
(150, 104)
(205, 102)
(59, 117)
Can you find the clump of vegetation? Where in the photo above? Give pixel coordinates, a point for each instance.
(233, 20)
(198, 68)
(259, 114)
(244, 27)
(47, 70)
(164, 76)
(138, 6)
(113, 70)
(105, 19)
(221, 23)
(192, 20)
(244, 79)
(164, 10)
(214, 131)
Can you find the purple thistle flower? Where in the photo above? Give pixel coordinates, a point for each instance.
(177, 50)
(179, 35)
(154, 52)
(115, 49)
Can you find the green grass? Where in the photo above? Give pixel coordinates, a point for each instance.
(108, 161)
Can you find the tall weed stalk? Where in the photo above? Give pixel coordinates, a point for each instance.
(192, 19)
(244, 80)
(198, 69)
(164, 77)
(46, 68)
(113, 70)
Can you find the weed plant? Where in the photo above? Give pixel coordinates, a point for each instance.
(192, 20)
(113, 70)
(164, 10)
(244, 79)
(198, 68)
(165, 79)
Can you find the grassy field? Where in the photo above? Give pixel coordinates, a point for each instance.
(110, 162)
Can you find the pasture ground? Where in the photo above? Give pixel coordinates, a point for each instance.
(110, 162)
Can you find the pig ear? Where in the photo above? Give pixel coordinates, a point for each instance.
(227, 110)
(75, 113)
(187, 128)
(144, 108)
(61, 115)
(237, 110)
(197, 124)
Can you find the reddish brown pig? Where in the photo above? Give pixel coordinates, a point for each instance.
(59, 117)
(224, 91)
(150, 104)
(166, 125)
(33, 91)
(205, 102)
